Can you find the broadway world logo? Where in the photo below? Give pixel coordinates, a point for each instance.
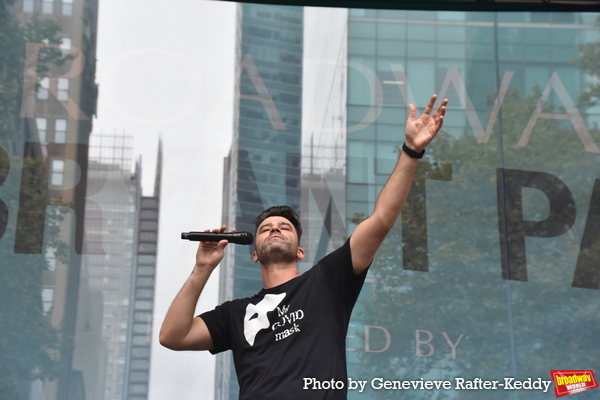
(572, 381)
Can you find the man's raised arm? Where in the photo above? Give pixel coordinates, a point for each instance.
(369, 234)
(180, 330)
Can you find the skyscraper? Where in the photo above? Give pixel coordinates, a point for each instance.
(513, 87)
(263, 167)
(120, 264)
(451, 268)
(111, 216)
(137, 363)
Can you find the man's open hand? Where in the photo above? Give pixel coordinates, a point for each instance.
(420, 132)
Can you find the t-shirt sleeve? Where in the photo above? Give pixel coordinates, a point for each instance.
(338, 272)
(217, 322)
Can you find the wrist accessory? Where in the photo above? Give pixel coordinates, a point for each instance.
(412, 152)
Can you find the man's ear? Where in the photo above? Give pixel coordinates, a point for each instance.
(300, 254)
(254, 256)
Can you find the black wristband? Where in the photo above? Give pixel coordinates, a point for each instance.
(412, 152)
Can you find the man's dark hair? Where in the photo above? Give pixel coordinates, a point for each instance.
(286, 212)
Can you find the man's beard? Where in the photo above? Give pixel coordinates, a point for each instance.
(276, 253)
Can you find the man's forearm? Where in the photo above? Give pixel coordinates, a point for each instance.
(178, 321)
(392, 197)
(370, 233)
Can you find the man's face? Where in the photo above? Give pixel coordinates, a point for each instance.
(276, 241)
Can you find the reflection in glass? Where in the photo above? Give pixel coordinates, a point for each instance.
(43, 89)
(63, 89)
(57, 172)
(42, 126)
(28, 5)
(47, 6)
(67, 7)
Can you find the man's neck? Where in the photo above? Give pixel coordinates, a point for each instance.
(277, 274)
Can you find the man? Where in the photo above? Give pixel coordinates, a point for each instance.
(288, 341)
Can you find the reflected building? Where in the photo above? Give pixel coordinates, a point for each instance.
(137, 359)
(119, 267)
(359, 73)
(397, 57)
(263, 166)
(54, 122)
(110, 223)
(463, 56)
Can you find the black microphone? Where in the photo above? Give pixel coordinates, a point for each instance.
(231, 237)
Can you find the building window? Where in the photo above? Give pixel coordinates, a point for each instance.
(47, 299)
(139, 376)
(43, 89)
(143, 305)
(67, 7)
(139, 352)
(140, 340)
(51, 258)
(63, 89)
(47, 6)
(42, 127)
(140, 364)
(65, 46)
(57, 173)
(28, 5)
(138, 388)
(60, 130)
(140, 328)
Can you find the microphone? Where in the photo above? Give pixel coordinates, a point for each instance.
(232, 237)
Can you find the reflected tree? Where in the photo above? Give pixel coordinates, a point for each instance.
(498, 327)
(589, 62)
(29, 344)
(13, 38)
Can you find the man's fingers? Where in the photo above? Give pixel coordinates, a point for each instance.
(430, 104)
(412, 112)
(442, 108)
(217, 230)
(439, 123)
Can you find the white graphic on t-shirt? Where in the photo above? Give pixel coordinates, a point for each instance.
(256, 315)
(287, 318)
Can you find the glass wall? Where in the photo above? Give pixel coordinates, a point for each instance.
(494, 244)
(491, 270)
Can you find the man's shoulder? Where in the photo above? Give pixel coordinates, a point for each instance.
(340, 254)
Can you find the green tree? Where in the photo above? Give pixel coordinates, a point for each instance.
(29, 343)
(589, 62)
(509, 328)
(13, 38)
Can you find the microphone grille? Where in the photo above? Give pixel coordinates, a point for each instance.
(248, 237)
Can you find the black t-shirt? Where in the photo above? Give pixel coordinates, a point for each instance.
(290, 332)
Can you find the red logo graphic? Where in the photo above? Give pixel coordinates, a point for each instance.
(572, 381)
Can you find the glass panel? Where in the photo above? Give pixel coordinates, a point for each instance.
(47, 6)
(42, 126)
(67, 7)
(222, 110)
(57, 172)
(65, 45)
(43, 89)
(63, 89)
(28, 5)
(60, 130)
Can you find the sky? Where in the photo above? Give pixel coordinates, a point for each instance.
(165, 70)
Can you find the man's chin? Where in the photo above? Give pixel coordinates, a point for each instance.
(274, 253)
